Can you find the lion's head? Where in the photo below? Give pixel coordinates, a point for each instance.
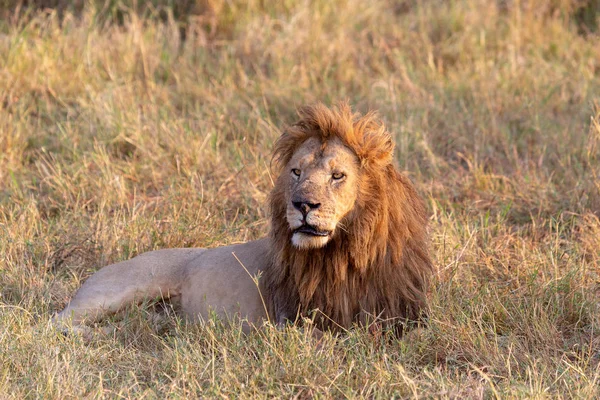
(348, 231)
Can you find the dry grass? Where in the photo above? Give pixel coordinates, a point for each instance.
(116, 139)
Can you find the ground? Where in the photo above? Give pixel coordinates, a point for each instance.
(123, 132)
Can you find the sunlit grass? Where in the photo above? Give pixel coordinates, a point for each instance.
(119, 137)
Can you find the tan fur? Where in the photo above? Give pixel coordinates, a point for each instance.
(367, 256)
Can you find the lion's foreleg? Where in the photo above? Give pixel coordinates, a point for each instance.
(285, 307)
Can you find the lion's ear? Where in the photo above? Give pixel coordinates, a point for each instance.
(377, 148)
(287, 143)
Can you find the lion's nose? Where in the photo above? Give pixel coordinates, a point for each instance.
(305, 206)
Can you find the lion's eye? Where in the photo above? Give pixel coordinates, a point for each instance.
(337, 175)
(296, 171)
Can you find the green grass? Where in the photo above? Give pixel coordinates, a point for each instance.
(119, 138)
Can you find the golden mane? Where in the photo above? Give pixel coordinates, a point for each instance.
(378, 265)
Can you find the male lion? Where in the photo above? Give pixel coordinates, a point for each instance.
(348, 240)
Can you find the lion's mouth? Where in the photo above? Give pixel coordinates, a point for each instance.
(311, 230)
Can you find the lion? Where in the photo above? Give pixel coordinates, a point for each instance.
(347, 242)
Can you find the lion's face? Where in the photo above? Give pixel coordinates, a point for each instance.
(322, 189)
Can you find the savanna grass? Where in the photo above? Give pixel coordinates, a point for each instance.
(119, 136)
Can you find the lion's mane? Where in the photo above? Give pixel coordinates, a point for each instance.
(377, 265)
